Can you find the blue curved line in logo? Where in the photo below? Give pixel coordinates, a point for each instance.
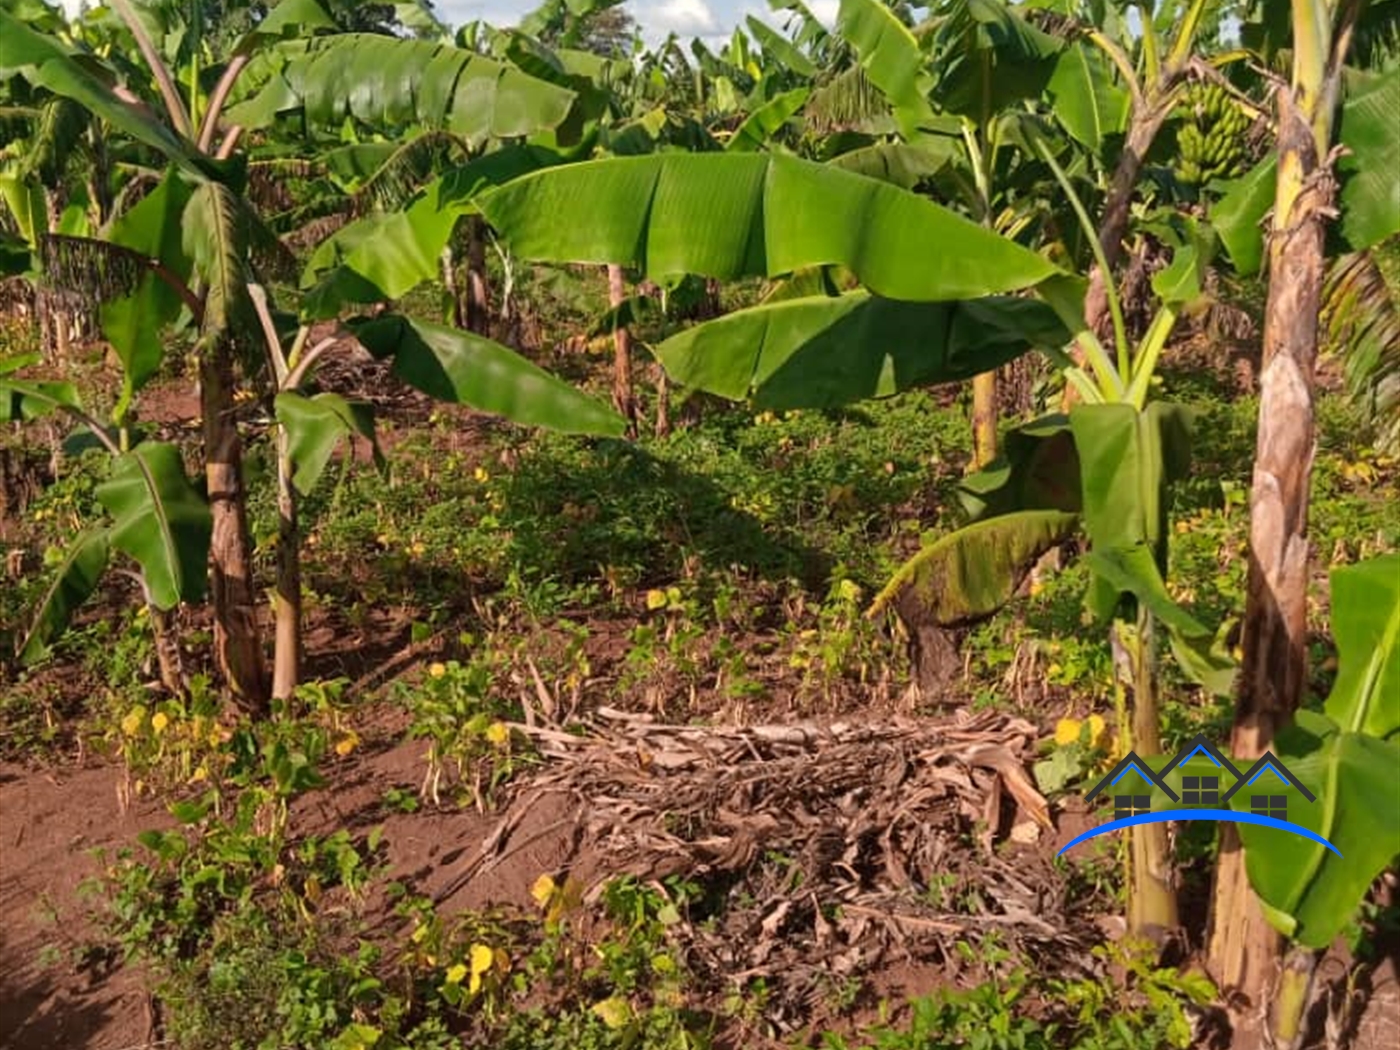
(1202, 814)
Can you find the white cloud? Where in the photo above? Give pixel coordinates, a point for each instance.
(682, 17)
(711, 20)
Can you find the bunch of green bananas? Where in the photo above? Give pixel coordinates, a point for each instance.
(1210, 137)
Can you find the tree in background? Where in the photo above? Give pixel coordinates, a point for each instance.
(602, 28)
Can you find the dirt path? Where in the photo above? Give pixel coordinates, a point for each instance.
(51, 998)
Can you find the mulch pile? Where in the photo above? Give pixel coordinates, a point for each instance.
(845, 849)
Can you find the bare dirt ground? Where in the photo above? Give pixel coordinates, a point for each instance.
(51, 996)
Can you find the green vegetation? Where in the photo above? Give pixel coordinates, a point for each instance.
(561, 543)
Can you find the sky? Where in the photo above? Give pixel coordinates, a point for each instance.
(711, 20)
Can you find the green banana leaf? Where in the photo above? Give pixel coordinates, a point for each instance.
(288, 18)
(24, 198)
(134, 323)
(1366, 623)
(468, 369)
(1369, 199)
(826, 351)
(1087, 98)
(900, 163)
(1127, 459)
(780, 48)
(988, 59)
(1309, 893)
(1239, 215)
(160, 520)
(734, 215)
(766, 121)
(45, 62)
(1133, 570)
(387, 82)
(315, 426)
(382, 257)
(24, 399)
(1370, 193)
(1038, 469)
(975, 571)
(214, 236)
(892, 60)
(77, 577)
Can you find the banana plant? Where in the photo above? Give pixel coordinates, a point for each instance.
(184, 257)
(956, 92)
(156, 516)
(1352, 746)
(1106, 467)
(449, 365)
(1304, 186)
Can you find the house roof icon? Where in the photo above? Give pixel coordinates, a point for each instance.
(1130, 762)
(1266, 762)
(1200, 745)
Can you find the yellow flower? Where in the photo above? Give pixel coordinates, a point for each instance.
(131, 724)
(344, 746)
(544, 889)
(437, 670)
(159, 721)
(656, 599)
(482, 959)
(498, 733)
(417, 549)
(614, 1012)
(456, 974)
(199, 775)
(482, 475)
(1067, 731)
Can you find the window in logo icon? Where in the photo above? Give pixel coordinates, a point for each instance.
(1200, 791)
(1131, 805)
(1275, 806)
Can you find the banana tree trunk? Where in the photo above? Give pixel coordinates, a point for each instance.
(478, 290)
(984, 419)
(1244, 949)
(237, 645)
(58, 320)
(286, 662)
(169, 658)
(663, 402)
(1152, 904)
(454, 292)
(623, 398)
(1117, 208)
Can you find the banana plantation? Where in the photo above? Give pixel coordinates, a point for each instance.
(875, 528)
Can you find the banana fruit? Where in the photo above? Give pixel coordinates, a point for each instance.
(1210, 135)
